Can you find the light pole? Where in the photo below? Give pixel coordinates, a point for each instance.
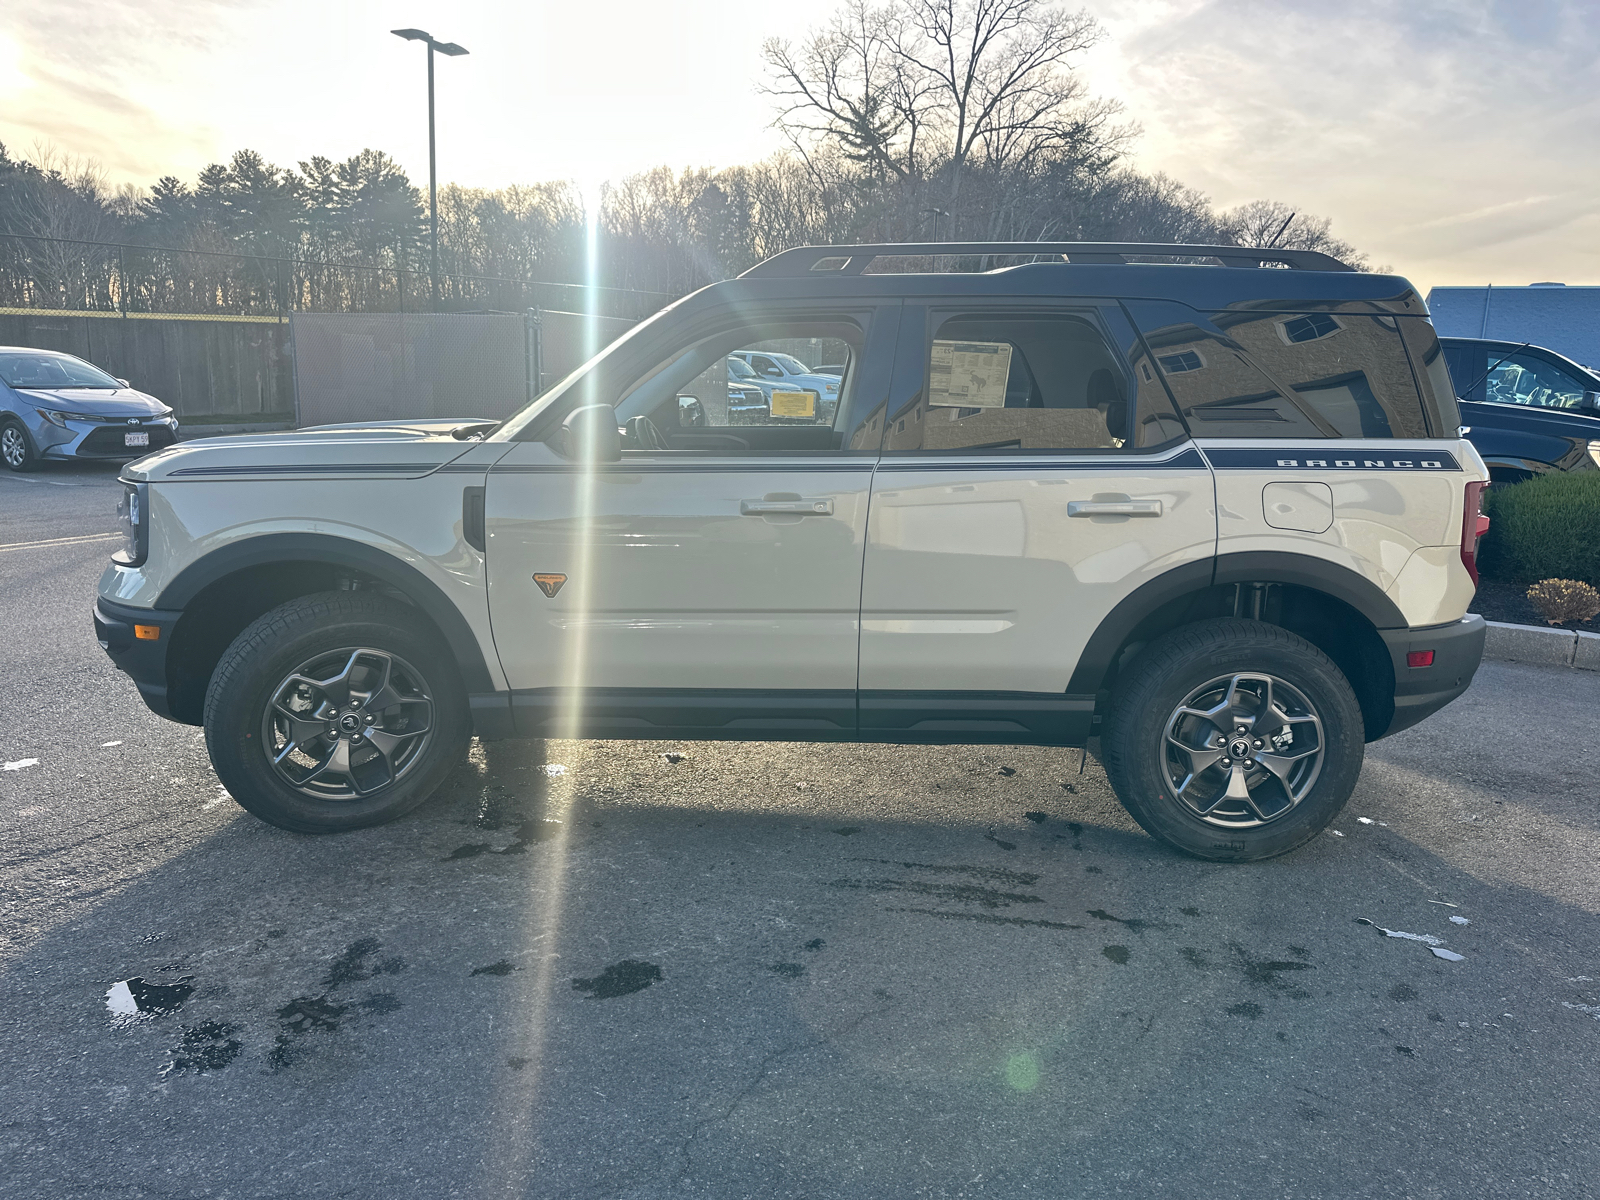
(450, 48)
(937, 213)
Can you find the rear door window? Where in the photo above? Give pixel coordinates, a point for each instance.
(1024, 381)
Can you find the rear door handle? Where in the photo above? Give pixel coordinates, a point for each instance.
(798, 507)
(1113, 508)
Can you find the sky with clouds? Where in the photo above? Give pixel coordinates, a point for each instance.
(1453, 141)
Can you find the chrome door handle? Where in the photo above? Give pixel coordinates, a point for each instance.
(1113, 508)
(799, 507)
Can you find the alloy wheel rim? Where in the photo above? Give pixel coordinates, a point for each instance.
(11, 446)
(1242, 750)
(347, 723)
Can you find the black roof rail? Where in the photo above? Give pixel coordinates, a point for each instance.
(853, 260)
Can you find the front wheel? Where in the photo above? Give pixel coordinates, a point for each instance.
(335, 711)
(16, 451)
(1233, 740)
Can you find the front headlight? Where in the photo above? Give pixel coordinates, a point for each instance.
(58, 419)
(1594, 452)
(133, 520)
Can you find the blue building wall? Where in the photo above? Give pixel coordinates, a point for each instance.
(1565, 319)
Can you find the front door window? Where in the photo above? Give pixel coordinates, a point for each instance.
(1533, 382)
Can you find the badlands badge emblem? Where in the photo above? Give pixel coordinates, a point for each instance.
(550, 584)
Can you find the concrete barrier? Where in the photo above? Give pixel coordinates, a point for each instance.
(1548, 647)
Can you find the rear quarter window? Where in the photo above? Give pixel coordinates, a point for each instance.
(1292, 375)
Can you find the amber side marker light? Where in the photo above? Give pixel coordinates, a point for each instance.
(147, 633)
(1419, 658)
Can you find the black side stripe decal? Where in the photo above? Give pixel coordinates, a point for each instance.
(658, 467)
(311, 469)
(1321, 458)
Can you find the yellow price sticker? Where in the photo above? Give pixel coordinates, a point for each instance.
(793, 404)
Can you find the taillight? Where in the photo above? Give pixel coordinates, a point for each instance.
(1473, 526)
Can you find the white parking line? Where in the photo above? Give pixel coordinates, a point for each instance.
(67, 541)
(29, 479)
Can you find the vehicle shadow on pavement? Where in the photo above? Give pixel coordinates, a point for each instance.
(636, 969)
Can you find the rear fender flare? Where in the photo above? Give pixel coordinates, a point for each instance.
(1301, 570)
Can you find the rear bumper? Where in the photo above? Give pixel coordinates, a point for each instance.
(1419, 692)
(144, 660)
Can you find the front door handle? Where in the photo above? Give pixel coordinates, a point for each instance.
(1113, 508)
(797, 507)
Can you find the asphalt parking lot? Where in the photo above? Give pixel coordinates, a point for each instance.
(639, 970)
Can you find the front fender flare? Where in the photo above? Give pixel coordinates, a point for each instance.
(323, 548)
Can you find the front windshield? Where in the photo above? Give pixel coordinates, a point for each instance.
(740, 369)
(790, 364)
(38, 369)
(556, 393)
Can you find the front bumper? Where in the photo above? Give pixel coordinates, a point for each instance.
(143, 659)
(1419, 692)
(105, 440)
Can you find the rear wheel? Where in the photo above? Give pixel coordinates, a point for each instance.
(16, 450)
(334, 712)
(1233, 740)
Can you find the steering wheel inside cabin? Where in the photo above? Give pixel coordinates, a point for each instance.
(644, 434)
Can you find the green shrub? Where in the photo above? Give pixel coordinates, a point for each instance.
(1548, 526)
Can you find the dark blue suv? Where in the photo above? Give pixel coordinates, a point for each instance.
(1528, 410)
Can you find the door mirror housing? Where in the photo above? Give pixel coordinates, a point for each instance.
(123, 382)
(773, 373)
(590, 434)
(1590, 403)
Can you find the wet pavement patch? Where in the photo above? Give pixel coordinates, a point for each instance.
(847, 830)
(296, 1019)
(1001, 842)
(619, 979)
(1134, 924)
(1038, 818)
(1267, 973)
(355, 964)
(1117, 954)
(1006, 771)
(1190, 912)
(471, 850)
(1248, 1009)
(1406, 1050)
(380, 1003)
(960, 893)
(815, 944)
(1402, 991)
(984, 918)
(787, 970)
(503, 967)
(994, 874)
(208, 1046)
(133, 1000)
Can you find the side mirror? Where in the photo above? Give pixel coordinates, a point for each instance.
(690, 412)
(773, 373)
(1590, 403)
(590, 434)
(123, 382)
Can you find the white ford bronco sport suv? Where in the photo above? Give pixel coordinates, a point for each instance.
(1215, 513)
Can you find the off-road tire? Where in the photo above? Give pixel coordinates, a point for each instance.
(10, 429)
(271, 648)
(1158, 681)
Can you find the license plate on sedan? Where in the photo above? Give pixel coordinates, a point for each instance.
(136, 439)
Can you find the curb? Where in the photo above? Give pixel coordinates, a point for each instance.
(1548, 647)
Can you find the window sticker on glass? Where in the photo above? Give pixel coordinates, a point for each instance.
(793, 404)
(969, 374)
